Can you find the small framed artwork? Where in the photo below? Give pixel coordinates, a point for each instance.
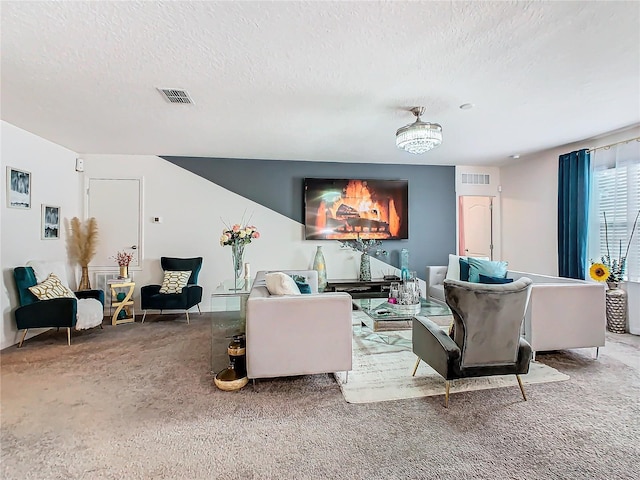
(18, 188)
(50, 222)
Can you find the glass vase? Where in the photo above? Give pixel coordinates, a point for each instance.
(365, 267)
(404, 264)
(237, 256)
(320, 266)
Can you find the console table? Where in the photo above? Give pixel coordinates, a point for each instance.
(372, 289)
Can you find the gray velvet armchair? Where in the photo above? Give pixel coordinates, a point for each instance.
(487, 322)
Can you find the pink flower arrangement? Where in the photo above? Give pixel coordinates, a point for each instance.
(123, 258)
(237, 234)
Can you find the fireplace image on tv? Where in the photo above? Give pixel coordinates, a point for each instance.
(347, 209)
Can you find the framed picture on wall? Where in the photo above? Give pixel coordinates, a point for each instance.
(18, 188)
(50, 222)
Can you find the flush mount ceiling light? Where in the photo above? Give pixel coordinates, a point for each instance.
(419, 137)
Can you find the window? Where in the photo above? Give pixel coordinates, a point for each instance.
(618, 195)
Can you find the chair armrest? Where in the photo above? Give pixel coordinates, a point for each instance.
(435, 347)
(194, 295)
(149, 290)
(96, 294)
(436, 275)
(57, 312)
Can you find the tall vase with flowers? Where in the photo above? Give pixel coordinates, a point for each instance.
(123, 259)
(238, 236)
(612, 271)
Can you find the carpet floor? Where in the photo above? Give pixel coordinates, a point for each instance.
(137, 402)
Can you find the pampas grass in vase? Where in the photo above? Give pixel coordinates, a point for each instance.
(83, 247)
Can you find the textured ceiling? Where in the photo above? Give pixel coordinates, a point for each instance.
(328, 81)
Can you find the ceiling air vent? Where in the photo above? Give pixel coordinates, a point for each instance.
(475, 179)
(175, 95)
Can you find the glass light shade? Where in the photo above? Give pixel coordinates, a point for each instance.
(419, 137)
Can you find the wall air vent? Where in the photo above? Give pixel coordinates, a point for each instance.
(175, 95)
(476, 179)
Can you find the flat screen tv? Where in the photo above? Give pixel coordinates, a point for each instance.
(345, 209)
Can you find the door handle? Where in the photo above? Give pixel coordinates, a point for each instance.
(134, 247)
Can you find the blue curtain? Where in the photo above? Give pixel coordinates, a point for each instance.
(573, 213)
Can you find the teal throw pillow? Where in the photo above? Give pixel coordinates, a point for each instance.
(485, 267)
(303, 287)
(297, 278)
(464, 269)
(494, 280)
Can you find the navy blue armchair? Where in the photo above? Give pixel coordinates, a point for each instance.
(191, 295)
(57, 312)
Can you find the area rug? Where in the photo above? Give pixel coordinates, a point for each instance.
(382, 366)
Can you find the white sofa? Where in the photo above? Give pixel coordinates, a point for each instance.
(562, 313)
(297, 334)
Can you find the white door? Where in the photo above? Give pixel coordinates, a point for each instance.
(116, 203)
(476, 232)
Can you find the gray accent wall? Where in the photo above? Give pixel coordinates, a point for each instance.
(279, 185)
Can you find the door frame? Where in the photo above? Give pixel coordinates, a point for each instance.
(87, 181)
(460, 222)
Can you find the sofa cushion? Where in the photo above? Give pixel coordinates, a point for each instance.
(464, 269)
(494, 280)
(51, 288)
(303, 287)
(279, 283)
(174, 281)
(489, 268)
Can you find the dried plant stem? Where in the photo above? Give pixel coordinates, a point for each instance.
(84, 241)
(633, 230)
(606, 234)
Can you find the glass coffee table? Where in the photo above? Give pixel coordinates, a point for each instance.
(379, 320)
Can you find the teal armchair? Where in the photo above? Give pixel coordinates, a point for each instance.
(57, 312)
(191, 295)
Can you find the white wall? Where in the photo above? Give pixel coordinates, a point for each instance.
(54, 181)
(529, 203)
(193, 210)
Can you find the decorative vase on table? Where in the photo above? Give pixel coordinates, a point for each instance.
(320, 266)
(84, 280)
(404, 264)
(237, 255)
(124, 271)
(365, 267)
(616, 306)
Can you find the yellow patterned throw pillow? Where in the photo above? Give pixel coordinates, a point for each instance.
(174, 281)
(51, 288)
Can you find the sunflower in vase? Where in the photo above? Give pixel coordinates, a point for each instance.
(612, 270)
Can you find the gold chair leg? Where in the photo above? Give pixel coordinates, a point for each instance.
(144, 316)
(524, 395)
(447, 384)
(187, 312)
(69, 336)
(415, 369)
(23, 335)
(199, 311)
